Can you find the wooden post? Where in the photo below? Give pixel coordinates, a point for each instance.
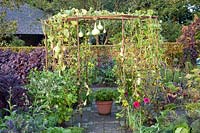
(123, 54)
(78, 54)
(46, 49)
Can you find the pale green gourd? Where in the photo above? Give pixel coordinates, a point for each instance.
(100, 27)
(80, 34)
(88, 33)
(104, 30)
(57, 51)
(95, 31)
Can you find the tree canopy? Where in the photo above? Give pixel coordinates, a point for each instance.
(7, 28)
(172, 13)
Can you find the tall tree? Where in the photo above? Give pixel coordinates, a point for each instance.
(172, 13)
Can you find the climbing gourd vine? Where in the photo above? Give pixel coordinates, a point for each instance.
(138, 68)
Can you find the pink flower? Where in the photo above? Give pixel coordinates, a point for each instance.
(136, 104)
(146, 100)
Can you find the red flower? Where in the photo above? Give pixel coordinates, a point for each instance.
(136, 104)
(126, 94)
(146, 100)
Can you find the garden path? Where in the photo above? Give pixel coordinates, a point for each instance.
(95, 123)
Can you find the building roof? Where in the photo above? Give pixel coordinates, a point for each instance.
(28, 19)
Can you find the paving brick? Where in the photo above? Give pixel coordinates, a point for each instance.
(95, 123)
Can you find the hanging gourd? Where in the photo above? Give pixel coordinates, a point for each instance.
(60, 56)
(88, 33)
(138, 79)
(100, 27)
(95, 31)
(80, 34)
(56, 51)
(104, 30)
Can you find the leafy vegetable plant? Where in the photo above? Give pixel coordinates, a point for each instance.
(53, 93)
(105, 94)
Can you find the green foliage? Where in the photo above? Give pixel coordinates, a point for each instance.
(57, 130)
(169, 121)
(10, 3)
(104, 73)
(193, 111)
(8, 28)
(151, 129)
(53, 94)
(172, 19)
(54, 6)
(40, 118)
(181, 126)
(16, 42)
(173, 53)
(20, 121)
(171, 30)
(63, 130)
(172, 75)
(193, 84)
(197, 36)
(195, 126)
(105, 94)
(182, 130)
(61, 33)
(193, 78)
(28, 122)
(23, 122)
(12, 41)
(138, 66)
(62, 40)
(76, 130)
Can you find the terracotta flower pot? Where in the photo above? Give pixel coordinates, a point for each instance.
(104, 107)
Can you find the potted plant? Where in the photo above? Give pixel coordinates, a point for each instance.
(104, 99)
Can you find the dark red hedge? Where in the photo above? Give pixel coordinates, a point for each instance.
(19, 64)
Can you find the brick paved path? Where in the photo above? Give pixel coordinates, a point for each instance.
(95, 123)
